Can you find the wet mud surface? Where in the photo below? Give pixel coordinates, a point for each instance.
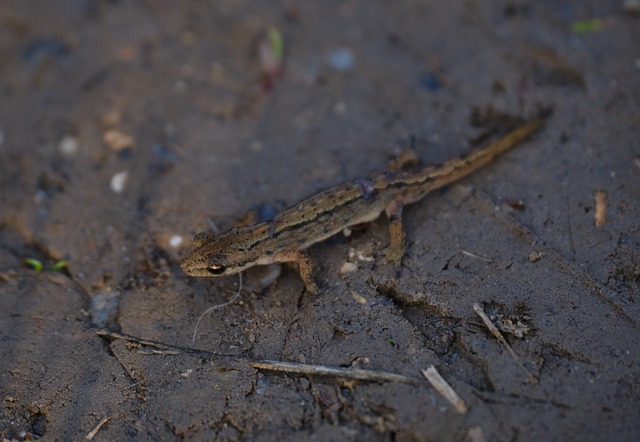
(126, 127)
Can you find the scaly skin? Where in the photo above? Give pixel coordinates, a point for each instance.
(286, 237)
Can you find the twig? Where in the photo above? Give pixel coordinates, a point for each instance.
(473, 255)
(495, 332)
(160, 352)
(322, 370)
(93, 432)
(279, 366)
(115, 335)
(446, 390)
(600, 214)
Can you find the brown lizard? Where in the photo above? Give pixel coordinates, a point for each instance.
(286, 237)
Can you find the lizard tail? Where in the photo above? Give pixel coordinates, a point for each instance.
(457, 168)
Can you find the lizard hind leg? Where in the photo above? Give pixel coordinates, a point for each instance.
(395, 250)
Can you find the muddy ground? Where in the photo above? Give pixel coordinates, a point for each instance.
(128, 126)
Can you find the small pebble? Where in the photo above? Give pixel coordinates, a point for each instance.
(359, 298)
(117, 140)
(118, 181)
(360, 255)
(341, 59)
(175, 241)
(534, 256)
(68, 145)
(348, 267)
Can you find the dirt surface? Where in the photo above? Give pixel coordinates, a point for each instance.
(128, 126)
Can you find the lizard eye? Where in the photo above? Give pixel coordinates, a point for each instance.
(216, 269)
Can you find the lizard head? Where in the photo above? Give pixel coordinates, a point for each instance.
(213, 256)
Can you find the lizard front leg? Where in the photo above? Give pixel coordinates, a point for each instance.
(404, 160)
(395, 250)
(301, 258)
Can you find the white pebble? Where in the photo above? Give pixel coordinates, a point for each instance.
(119, 180)
(68, 145)
(175, 241)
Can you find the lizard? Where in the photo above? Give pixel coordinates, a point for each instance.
(286, 237)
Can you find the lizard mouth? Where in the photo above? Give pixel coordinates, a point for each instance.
(190, 266)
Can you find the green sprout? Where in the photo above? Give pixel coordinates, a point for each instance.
(275, 41)
(34, 263)
(59, 265)
(586, 26)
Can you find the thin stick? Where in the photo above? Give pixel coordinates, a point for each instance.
(215, 307)
(473, 255)
(115, 335)
(93, 432)
(323, 370)
(279, 366)
(495, 332)
(446, 390)
(600, 214)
